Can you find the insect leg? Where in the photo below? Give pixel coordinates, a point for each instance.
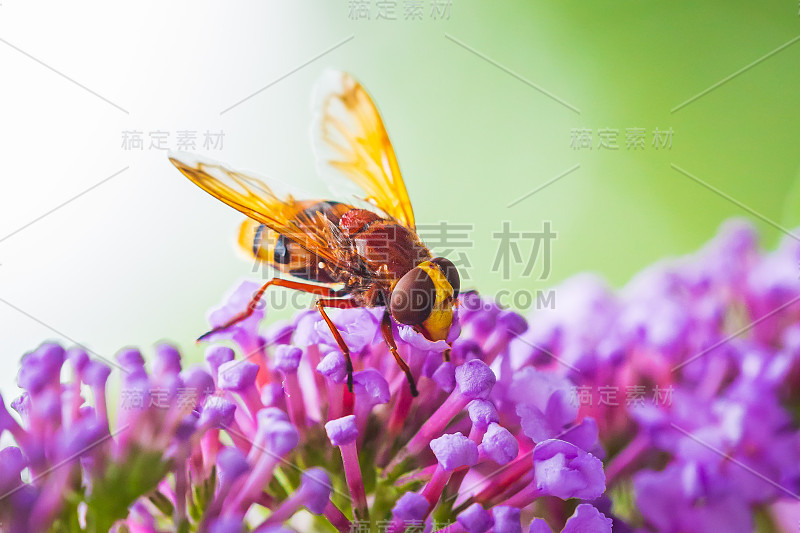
(251, 307)
(386, 330)
(341, 303)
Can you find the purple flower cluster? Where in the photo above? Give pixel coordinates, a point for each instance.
(515, 428)
(266, 436)
(714, 339)
(75, 466)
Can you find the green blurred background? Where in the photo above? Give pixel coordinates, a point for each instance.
(471, 138)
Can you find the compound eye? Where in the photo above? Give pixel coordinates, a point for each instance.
(450, 273)
(413, 297)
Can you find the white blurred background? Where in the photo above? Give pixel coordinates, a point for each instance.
(142, 255)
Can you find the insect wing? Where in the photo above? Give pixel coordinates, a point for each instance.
(254, 198)
(349, 136)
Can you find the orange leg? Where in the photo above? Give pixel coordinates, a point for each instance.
(339, 303)
(386, 330)
(251, 307)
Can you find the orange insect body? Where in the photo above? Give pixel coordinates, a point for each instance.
(353, 256)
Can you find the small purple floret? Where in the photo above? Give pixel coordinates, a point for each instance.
(466, 350)
(369, 385)
(499, 444)
(271, 394)
(217, 356)
(565, 471)
(48, 407)
(21, 404)
(50, 355)
(198, 381)
(34, 376)
(269, 414)
(475, 519)
(316, 488)
(6, 420)
(410, 507)
(506, 519)
(12, 462)
(78, 358)
(80, 438)
(287, 358)
(186, 428)
(279, 333)
(167, 359)
(232, 463)
(237, 375)
(512, 322)
(96, 374)
(279, 437)
(445, 376)
(454, 450)
(342, 430)
(587, 518)
(130, 359)
(475, 379)
(333, 367)
(539, 526)
(217, 412)
(482, 413)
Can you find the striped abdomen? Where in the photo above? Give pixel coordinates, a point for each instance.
(285, 254)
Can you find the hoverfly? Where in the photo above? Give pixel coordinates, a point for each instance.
(364, 255)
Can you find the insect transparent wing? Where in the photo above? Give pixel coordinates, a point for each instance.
(349, 137)
(254, 198)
